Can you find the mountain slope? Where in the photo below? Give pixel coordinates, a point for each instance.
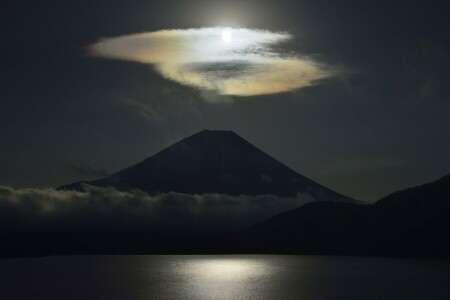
(214, 162)
(413, 222)
(410, 223)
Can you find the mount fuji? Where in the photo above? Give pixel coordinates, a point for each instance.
(213, 161)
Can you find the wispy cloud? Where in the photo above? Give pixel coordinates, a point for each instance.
(107, 209)
(244, 62)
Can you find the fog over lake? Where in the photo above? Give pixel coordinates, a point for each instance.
(223, 277)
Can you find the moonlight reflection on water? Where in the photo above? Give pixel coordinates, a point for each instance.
(222, 277)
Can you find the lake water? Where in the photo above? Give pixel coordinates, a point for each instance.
(223, 277)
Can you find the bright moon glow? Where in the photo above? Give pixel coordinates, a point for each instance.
(227, 35)
(247, 62)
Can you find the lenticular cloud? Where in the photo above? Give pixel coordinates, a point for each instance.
(244, 64)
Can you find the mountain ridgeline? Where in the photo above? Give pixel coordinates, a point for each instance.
(409, 223)
(214, 162)
(413, 222)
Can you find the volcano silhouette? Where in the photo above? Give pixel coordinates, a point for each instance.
(214, 162)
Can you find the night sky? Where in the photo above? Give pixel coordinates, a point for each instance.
(378, 123)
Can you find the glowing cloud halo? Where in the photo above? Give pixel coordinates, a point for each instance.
(228, 61)
(227, 35)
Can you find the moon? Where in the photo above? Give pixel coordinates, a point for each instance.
(227, 35)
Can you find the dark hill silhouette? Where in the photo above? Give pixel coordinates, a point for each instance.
(214, 162)
(412, 222)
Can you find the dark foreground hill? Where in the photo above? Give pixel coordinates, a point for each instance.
(214, 162)
(412, 222)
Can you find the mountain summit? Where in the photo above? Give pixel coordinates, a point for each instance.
(214, 162)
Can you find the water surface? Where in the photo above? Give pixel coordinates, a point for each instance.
(223, 277)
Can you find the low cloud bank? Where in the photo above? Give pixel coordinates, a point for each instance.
(107, 209)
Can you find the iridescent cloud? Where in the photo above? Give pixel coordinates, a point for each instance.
(228, 61)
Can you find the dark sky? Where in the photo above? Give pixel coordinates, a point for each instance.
(380, 126)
